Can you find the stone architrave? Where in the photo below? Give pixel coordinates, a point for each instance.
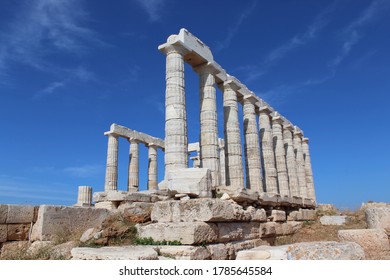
(84, 197)
(111, 182)
(254, 178)
(300, 163)
(267, 151)
(176, 138)
(152, 167)
(308, 169)
(209, 156)
(233, 151)
(133, 175)
(290, 160)
(280, 155)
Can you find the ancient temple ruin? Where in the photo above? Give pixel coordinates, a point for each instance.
(276, 154)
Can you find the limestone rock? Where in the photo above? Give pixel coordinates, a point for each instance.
(17, 232)
(13, 250)
(378, 217)
(118, 196)
(257, 215)
(196, 182)
(20, 214)
(334, 220)
(228, 232)
(302, 215)
(253, 255)
(88, 234)
(373, 241)
(184, 252)
(115, 253)
(278, 216)
(109, 205)
(3, 233)
(137, 212)
(55, 219)
(269, 199)
(3, 213)
(188, 233)
(326, 207)
(64, 250)
(228, 251)
(36, 246)
(326, 250)
(203, 209)
(264, 252)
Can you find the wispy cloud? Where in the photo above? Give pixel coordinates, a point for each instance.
(44, 27)
(153, 8)
(352, 34)
(232, 31)
(51, 88)
(83, 171)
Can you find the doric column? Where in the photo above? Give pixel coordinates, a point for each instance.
(267, 151)
(300, 163)
(308, 169)
(208, 123)
(290, 160)
(133, 175)
(84, 197)
(176, 140)
(111, 182)
(280, 155)
(152, 167)
(233, 152)
(222, 167)
(254, 178)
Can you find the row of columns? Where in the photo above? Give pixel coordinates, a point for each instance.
(111, 179)
(278, 162)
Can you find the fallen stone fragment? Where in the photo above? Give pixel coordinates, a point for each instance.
(115, 253)
(334, 220)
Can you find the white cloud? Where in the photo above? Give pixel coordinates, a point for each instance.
(234, 29)
(51, 88)
(83, 171)
(152, 8)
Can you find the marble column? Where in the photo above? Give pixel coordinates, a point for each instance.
(84, 197)
(222, 168)
(300, 163)
(176, 138)
(111, 182)
(290, 159)
(233, 151)
(133, 174)
(152, 167)
(267, 151)
(254, 178)
(280, 156)
(209, 156)
(308, 169)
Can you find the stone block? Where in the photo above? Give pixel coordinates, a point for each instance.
(118, 196)
(293, 216)
(306, 215)
(378, 217)
(203, 209)
(196, 182)
(278, 216)
(374, 242)
(3, 213)
(334, 220)
(3, 233)
(13, 250)
(184, 252)
(228, 251)
(136, 212)
(296, 201)
(326, 207)
(115, 253)
(219, 251)
(240, 196)
(20, 214)
(54, 220)
(268, 199)
(325, 250)
(228, 232)
(253, 255)
(285, 200)
(268, 229)
(109, 205)
(18, 232)
(257, 215)
(187, 233)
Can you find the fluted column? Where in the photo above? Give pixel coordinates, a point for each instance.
(300, 163)
(176, 140)
(267, 151)
(254, 178)
(84, 197)
(209, 156)
(233, 152)
(133, 174)
(152, 167)
(280, 155)
(222, 168)
(308, 169)
(290, 160)
(111, 182)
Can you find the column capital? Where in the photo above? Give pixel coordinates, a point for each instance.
(112, 134)
(265, 110)
(230, 84)
(168, 48)
(305, 140)
(133, 140)
(277, 119)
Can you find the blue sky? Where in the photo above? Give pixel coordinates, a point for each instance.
(68, 69)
